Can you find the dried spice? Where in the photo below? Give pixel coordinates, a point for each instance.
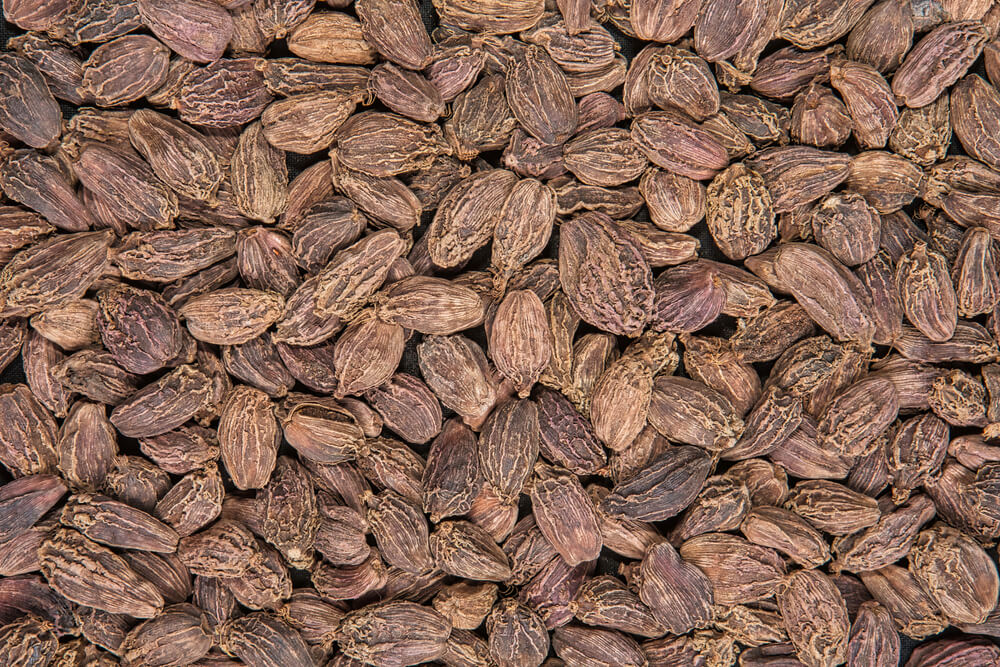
(531, 405)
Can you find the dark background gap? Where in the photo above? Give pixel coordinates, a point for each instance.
(629, 47)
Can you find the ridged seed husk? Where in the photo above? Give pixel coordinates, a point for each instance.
(383, 144)
(407, 93)
(815, 617)
(956, 572)
(677, 592)
(830, 293)
(925, 74)
(740, 572)
(690, 412)
(603, 274)
(430, 305)
(94, 576)
(662, 488)
(467, 217)
(38, 182)
(27, 109)
(740, 214)
(53, 272)
(394, 632)
(396, 31)
(331, 37)
(676, 144)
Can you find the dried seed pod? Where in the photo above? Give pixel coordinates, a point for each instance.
(687, 411)
(819, 118)
(973, 650)
(629, 382)
(168, 255)
(605, 157)
(874, 639)
(956, 572)
(86, 446)
(225, 549)
(786, 532)
(885, 542)
(841, 306)
(457, 371)
(687, 298)
(924, 74)
(194, 502)
(396, 31)
(883, 35)
(140, 331)
(924, 134)
(771, 423)
(137, 482)
(832, 507)
(27, 109)
(520, 342)
(848, 227)
(958, 398)
(816, 618)
(620, 303)
(797, 175)
(178, 154)
(675, 202)
(661, 489)
(420, 633)
(31, 15)
(565, 515)
(801, 454)
(91, 575)
(384, 145)
(722, 29)
(466, 605)
(927, 292)
(713, 362)
(352, 581)
(116, 524)
(385, 199)
(331, 37)
(407, 93)
(604, 601)
(767, 484)
(124, 70)
(577, 644)
(858, 415)
(260, 638)
(162, 405)
(877, 275)
(678, 79)
(566, 437)
(517, 635)
(677, 592)
(39, 359)
(740, 572)
(765, 336)
(508, 447)
(306, 123)
(674, 143)
(973, 273)
(401, 532)
(177, 636)
(740, 214)
(465, 550)
(248, 437)
(540, 98)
